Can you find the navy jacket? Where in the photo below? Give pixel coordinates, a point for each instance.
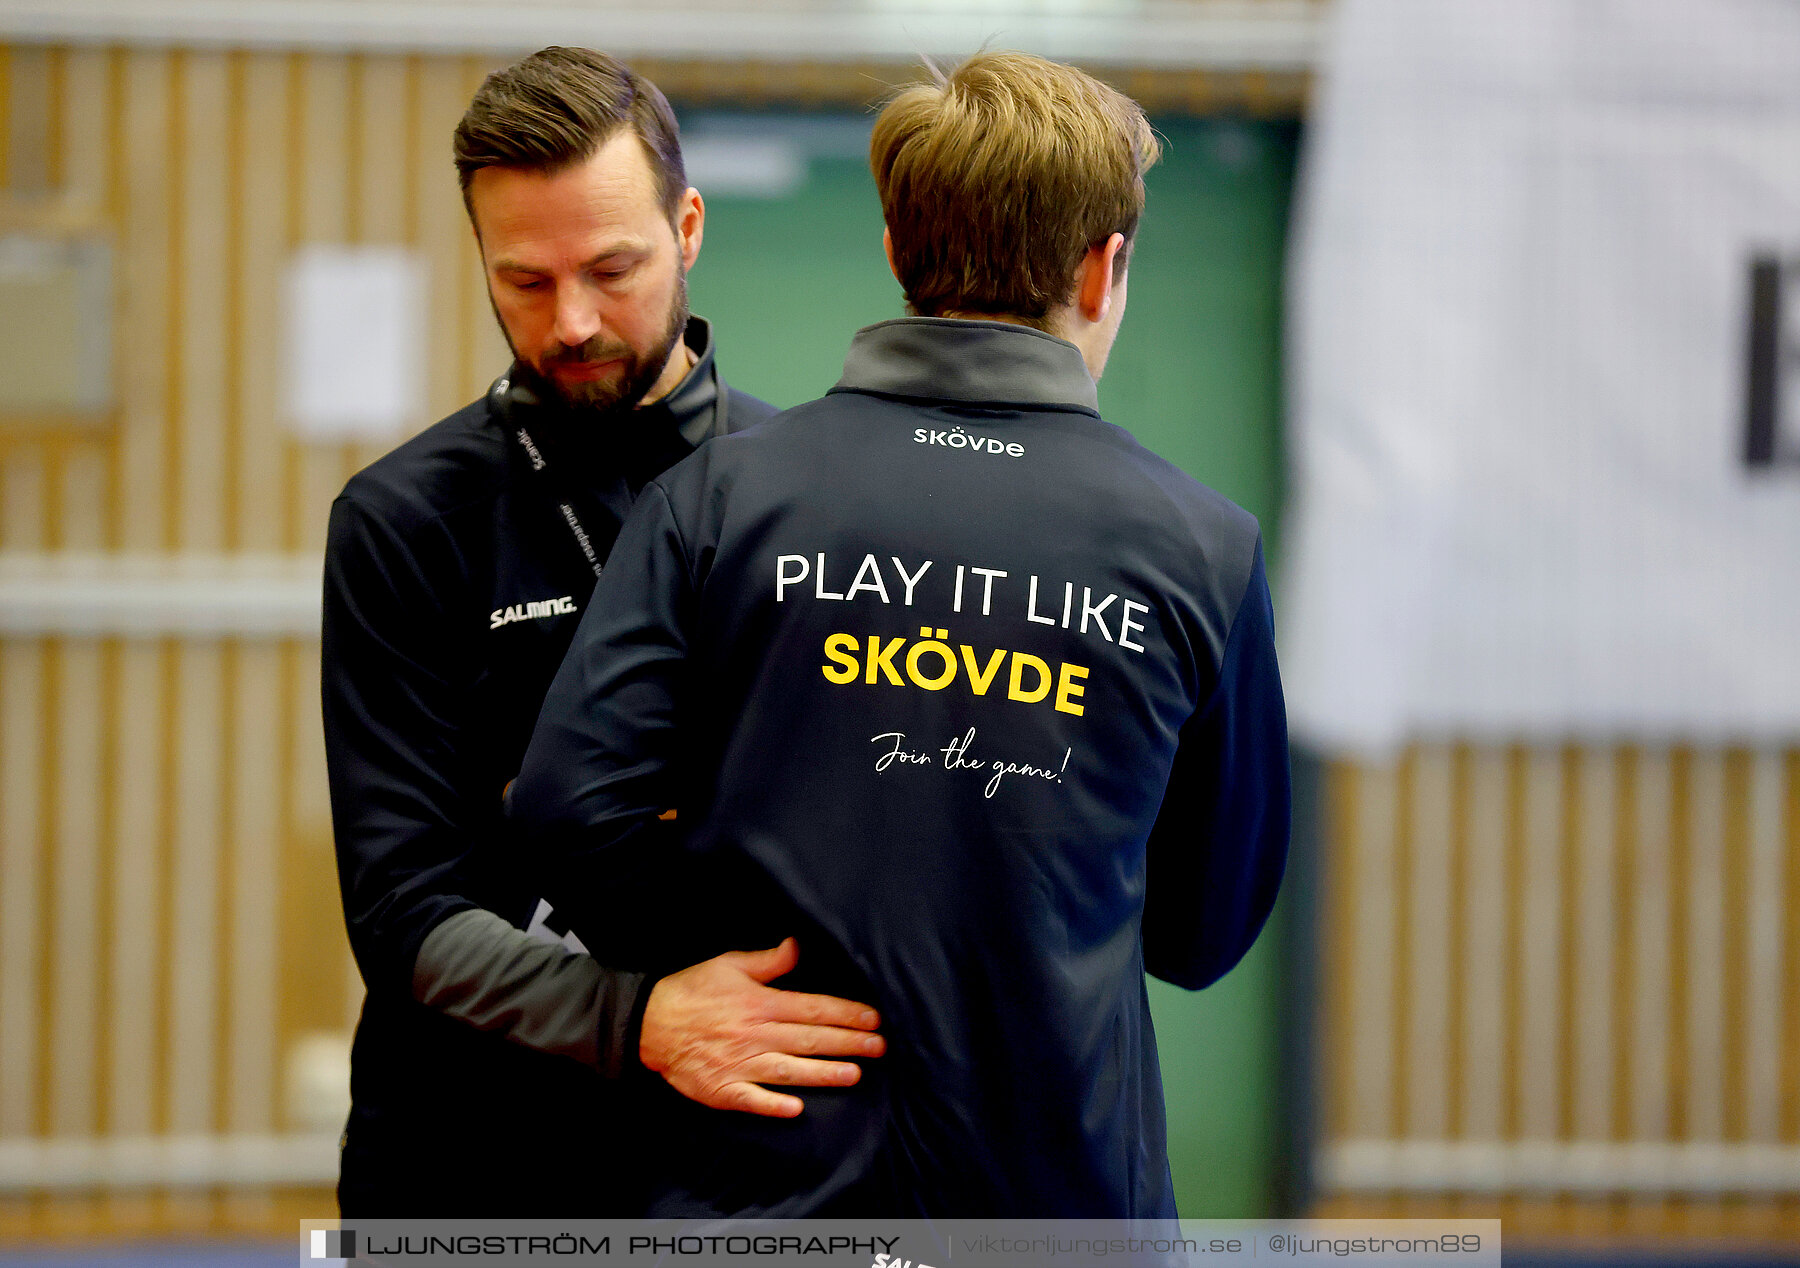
(981, 695)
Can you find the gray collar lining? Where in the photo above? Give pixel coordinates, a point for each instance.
(981, 362)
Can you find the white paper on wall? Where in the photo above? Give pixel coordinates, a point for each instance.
(355, 342)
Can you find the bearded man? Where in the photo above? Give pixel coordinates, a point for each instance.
(491, 1060)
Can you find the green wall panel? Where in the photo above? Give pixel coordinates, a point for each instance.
(788, 280)
(1195, 376)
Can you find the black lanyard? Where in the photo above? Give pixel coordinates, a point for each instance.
(535, 457)
(501, 397)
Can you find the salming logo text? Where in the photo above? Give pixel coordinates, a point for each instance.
(535, 610)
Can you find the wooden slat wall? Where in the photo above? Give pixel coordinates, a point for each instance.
(208, 168)
(1556, 948)
(168, 908)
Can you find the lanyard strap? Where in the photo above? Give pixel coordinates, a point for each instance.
(535, 456)
(502, 397)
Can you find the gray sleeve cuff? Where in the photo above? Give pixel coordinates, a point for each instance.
(479, 969)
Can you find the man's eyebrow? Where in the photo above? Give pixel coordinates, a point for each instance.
(506, 264)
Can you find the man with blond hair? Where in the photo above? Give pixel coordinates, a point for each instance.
(957, 679)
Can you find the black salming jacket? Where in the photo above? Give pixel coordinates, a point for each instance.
(980, 695)
(453, 584)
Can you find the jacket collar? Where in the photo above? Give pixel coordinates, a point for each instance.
(981, 362)
(692, 408)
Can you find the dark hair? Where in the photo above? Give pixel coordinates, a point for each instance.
(556, 108)
(997, 178)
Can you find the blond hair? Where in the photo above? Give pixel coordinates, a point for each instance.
(996, 179)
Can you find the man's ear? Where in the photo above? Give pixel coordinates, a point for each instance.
(690, 227)
(887, 244)
(1093, 293)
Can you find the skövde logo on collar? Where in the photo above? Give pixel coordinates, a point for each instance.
(958, 438)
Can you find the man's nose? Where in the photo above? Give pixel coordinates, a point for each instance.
(577, 320)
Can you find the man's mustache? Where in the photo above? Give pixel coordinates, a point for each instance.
(592, 352)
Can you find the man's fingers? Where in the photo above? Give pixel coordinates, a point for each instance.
(751, 1099)
(821, 1010)
(815, 1010)
(766, 966)
(821, 1041)
(791, 1071)
(715, 1036)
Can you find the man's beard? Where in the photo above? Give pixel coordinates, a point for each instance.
(638, 373)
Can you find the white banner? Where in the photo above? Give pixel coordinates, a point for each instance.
(1545, 358)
